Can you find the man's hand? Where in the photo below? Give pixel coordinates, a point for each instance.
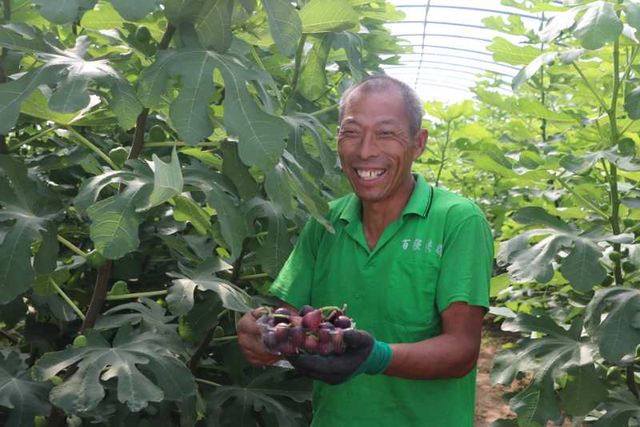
(363, 355)
(250, 341)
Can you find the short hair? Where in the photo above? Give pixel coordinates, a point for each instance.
(412, 102)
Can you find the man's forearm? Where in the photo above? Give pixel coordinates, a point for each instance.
(444, 356)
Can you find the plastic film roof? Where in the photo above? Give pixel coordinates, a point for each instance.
(449, 42)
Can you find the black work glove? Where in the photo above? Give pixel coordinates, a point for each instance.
(363, 354)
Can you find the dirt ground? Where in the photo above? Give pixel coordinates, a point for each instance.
(489, 403)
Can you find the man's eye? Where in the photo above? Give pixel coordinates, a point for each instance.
(348, 132)
(387, 133)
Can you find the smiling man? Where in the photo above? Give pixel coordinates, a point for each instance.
(412, 262)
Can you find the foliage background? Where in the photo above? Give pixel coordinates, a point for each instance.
(158, 160)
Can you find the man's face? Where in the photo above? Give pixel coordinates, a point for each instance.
(375, 145)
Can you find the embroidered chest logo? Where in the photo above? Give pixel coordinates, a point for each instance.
(419, 245)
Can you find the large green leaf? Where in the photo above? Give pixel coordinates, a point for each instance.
(203, 278)
(237, 171)
(310, 125)
(313, 81)
(149, 315)
(115, 220)
(186, 209)
(72, 74)
(547, 358)
(32, 207)
(284, 23)
(22, 396)
(598, 26)
(617, 334)
(261, 135)
(620, 407)
(100, 361)
(580, 267)
(321, 16)
(167, 181)
(221, 195)
(213, 25)
(505, 51)
(261, 394)
(276, 247)
(279, 191)
(63, 11)
(532, 68)
(584, 390)
(559, 23)
(134, 11)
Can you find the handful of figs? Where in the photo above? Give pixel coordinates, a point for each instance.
(309, 331)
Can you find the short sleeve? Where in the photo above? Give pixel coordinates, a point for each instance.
(467, 263)
(293, 284)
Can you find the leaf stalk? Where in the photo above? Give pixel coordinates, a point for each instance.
(136, 295)
(84, 141)
(72, 247)
(66, 299)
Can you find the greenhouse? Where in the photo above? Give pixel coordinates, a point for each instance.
(319, 213)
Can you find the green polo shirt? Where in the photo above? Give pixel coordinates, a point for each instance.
(438, 251)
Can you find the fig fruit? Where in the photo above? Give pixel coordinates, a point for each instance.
(312, 319)
(311, 344)
(343, 322)
(325, 348)
(283, 311)
(80, 341)
(270, 341)
(286, 348)
(305, 309)
(295, 320)
(282, 332)
(298, 336)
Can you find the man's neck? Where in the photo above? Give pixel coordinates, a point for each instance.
(376, 216)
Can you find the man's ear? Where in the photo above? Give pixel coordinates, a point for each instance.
(419, 142)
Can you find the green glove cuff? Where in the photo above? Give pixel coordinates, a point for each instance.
(378, 360)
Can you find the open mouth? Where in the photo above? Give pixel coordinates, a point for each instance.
(370, 174)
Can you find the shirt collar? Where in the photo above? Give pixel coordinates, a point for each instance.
(418, 204)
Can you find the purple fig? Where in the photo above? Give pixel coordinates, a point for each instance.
(336, 337)
(270, 341)
(324, 333)
(311, 344)
(281, 318)
(339, 348)
(305, 309)
(295, 320)
(325, 348)
(286, 348)
(298, 336)
(283, 311)
(343, 322)
(312, 320)
(282, 332)
(333, 316)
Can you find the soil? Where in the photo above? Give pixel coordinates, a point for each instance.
(490, 404)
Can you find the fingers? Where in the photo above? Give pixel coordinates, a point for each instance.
(357, 339)
(250, 341)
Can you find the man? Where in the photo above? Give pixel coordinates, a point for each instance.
(412, 263)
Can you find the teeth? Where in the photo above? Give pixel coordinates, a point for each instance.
(369, 174)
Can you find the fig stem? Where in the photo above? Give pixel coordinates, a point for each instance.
(329, 307)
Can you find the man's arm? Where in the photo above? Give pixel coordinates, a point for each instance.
(250, 339)
(452, 354)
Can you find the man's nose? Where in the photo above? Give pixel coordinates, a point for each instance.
(368, 146)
